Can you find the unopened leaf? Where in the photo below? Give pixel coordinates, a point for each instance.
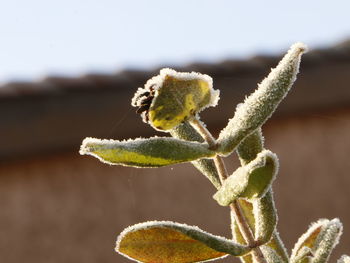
(344, 259)
(265, 218)
(261, 178)
(164, 241)
(151, 152)
(329, 238)
(249, 181)
(308, 239)
(247, 151)
(270, 255)
(304, 256)
(260, 105)
(276, 244)
(320, 238)
(250, 147)
(233, 187)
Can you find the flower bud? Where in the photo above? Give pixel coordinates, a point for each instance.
(172, 97)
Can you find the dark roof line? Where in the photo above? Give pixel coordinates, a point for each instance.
(55, 85)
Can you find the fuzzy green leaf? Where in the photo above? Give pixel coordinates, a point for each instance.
(276, 244)
(250, 147)
(249, 181)
(207, 167)
(151, 152)
(261, 178)
(270, 255)
(164, 241)
(329, 238)
(320, 238)
(304, 256)
(185, 131)
(265, 218)
(344, 259)
(260, 105)
(309, 238)
(247, 151)
(233, 187)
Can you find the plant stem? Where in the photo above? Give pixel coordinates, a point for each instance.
(246, 232)
(203, 131)
(239, 216)
(235, 207)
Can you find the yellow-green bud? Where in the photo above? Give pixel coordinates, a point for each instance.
(172, 97)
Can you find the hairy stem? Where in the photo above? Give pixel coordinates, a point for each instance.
(203, 131)
(235, 207)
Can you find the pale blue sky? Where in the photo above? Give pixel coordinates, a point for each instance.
(40, 37)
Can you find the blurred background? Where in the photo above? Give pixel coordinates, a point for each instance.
(68, 70)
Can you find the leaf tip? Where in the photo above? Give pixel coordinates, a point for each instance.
(344, 259)
(85, 147)
(300, 47)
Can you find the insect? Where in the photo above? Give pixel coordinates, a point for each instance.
(144, 101)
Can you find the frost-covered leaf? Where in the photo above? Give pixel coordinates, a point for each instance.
(185, 131)
(250, 147)
(265, 218)
(208, 168)
(304, 256)
(260, 105)
(270, 255)
(261, 178)
(276, 244)
(344, 259)
(249, 181)
(328, 240)
(151, 152)
(164, 241)
(172, 97)
(247, 151)
(233, 187)
(320, 238)
(309, 238)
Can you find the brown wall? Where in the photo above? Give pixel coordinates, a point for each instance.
(70, 208)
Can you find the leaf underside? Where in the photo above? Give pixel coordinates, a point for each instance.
(159, 242)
